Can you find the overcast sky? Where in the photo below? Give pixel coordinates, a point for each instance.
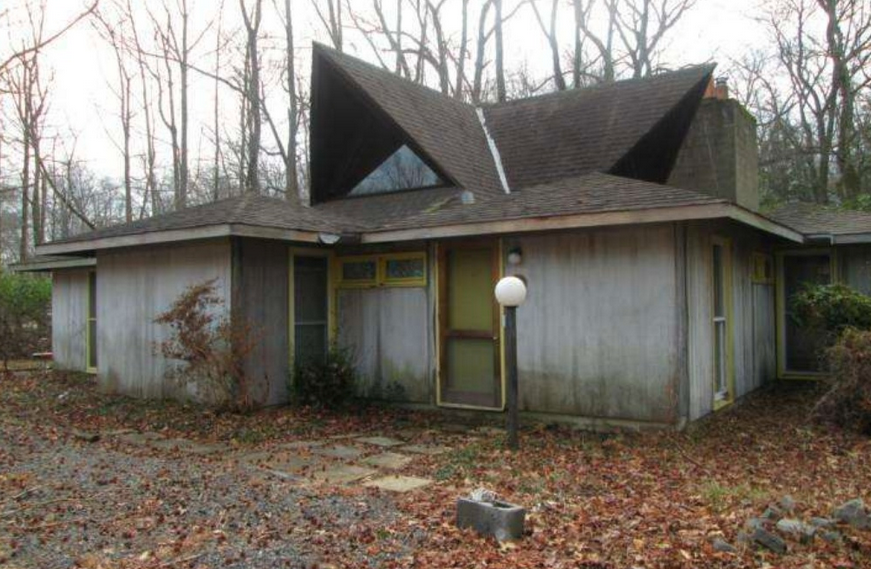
(82, 102)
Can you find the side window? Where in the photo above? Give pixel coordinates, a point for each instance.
(92, 321)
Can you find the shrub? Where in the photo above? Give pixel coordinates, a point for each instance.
(847, 402)
(25, 316)
(327, 382)
(831, 309)
(211, 347)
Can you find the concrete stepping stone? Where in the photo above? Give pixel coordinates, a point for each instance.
(300, 445)
(339, 451)
(343, 474)
(397, 483)
(188, 446)
(389, 460)
(380, 441)
(430, 450)
(139, 438)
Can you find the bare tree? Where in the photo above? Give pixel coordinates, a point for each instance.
(252, 23)
(331, 17)
(108, 28)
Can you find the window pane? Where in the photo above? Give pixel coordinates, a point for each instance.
(310, 289)
(803, 346)
(720, 360)
(405, 268)
(403, 170)
(309, 342)
(92, 295)
(363, 270)
(718, 281)
(92, 343)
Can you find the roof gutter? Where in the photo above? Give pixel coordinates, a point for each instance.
(53, 265)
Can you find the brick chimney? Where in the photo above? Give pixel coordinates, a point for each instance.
(719, 155)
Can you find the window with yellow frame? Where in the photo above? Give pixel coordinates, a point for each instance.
(763, 268)
(390, 269)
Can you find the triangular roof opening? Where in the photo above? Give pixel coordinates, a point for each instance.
(354, 140)
(403, 170)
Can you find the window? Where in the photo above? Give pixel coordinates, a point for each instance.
(722, 321)
(359, 271)
(404, 269)
(763, 268)
(92, 322)
(403, 170)
(310, 309)
(393, 269)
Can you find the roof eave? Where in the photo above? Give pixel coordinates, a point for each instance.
(180, 235)
(53, 265)
(590, 220)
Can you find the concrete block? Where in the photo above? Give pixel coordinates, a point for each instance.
(502, 520)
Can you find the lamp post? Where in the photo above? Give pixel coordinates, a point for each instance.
(510, 293)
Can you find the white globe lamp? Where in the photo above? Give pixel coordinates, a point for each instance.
(510, 292)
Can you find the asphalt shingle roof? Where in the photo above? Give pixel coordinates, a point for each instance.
(570, 133)
(249, 209)
(555, 148)
(814, 219)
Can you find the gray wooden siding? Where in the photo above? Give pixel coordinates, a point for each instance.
(133, 287)
(598, 334)
(753, 324)
(854, 263)
(69, 319)
(262, 294)
(389, 332)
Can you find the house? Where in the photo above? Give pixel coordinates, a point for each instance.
(656, 288)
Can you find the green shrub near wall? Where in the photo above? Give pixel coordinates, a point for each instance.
(25, 316)
(843, 315)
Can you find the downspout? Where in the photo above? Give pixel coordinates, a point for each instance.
(682, 401)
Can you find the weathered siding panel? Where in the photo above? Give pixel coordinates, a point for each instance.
(69, 319)
(753, 324)
(133, 287)
(389, 332)
(597, 335)
(855, 267)
(263, 290)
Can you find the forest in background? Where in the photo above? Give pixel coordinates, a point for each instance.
(241, 64)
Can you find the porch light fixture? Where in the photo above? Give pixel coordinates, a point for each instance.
(328, 238)
(515, 256)
(510, 293)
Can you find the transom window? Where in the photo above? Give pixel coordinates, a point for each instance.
(392, 269)
(403, 170)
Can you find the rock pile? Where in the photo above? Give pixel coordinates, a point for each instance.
(780, 524)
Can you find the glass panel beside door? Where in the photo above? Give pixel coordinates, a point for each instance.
(802, 353)
(310, 309)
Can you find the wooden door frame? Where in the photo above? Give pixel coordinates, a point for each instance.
(442, 310)
(780, 307)
(329, 256)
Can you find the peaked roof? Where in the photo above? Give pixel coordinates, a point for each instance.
(814, 219)
(446, 130)
(566, 154)
(569, 133)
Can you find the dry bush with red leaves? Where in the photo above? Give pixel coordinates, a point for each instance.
(213, 349)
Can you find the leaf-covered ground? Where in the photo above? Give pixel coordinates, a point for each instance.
(596, 501)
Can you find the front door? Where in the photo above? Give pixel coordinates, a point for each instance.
(469, 348)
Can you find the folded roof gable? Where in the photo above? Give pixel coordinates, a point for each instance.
(571, 133)
(444, 132)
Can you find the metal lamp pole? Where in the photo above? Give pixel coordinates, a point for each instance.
(510, 293)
